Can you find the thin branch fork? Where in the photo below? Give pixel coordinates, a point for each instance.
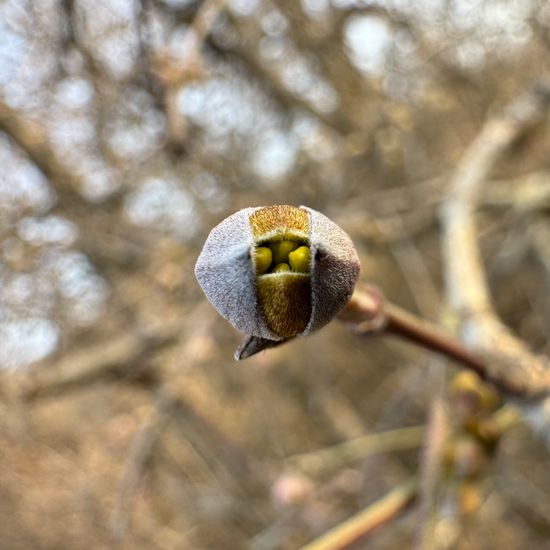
(511, 361)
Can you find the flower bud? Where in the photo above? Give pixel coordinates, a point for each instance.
(277, 272)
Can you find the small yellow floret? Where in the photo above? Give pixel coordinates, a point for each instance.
(281, 268)
(281, 250)
(263, 259)
(299, 259)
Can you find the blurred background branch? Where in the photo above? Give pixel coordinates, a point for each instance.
(128, 129)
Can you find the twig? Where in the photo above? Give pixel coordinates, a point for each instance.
(370, 313)
(363, 523)
(32, 137)
(466, 283)
(140, 453)
(245, 474)
(335, 456)
(437, 435)
(541, 244)
(272, 81)
(411, 262)
(527, 193)
(174, 72)
(202, 24)
(242, 468)
(111, 360)
(415, 206)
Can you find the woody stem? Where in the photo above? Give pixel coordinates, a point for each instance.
(370, 313)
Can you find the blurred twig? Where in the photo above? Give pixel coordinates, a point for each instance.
(527, 192)
(328, 458)
(123, 244)
(112, 360)
(414, 206)
(363, 523)
(541, 244)
(140, 453)
(245, 471)
(430, 473)
(272, 81)
(334, 65)
(468, 290)
(202, 24)
(413, 266)
(174, 72)
(32, 137)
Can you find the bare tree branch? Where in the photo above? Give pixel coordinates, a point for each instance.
(468, 289)
(139, 455)
(32, 138)
(122, 357)
(369, 313)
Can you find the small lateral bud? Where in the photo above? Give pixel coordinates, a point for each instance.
(264, 257)
(299, 259)
(281, 250)
(475, 396)
(281, 268)
(469, 497)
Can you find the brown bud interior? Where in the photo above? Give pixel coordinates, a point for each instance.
(285, 301)
(284, 293)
